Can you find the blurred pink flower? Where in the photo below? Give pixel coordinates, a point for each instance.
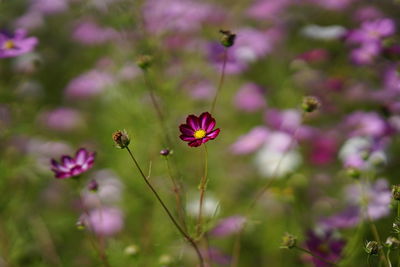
(228, 226)
(365, 13)
(90, 33)
(177, 15)
(17, 44)
(61, 119)
(49, 6)
(251, 141)
(88, 85)
(105, 221)
(267, 9)
(250, 97)
(323, 149)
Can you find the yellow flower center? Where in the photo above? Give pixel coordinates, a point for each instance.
(199, 134)
(8, 44)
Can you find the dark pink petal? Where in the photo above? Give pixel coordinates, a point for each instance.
(196, 143)
(212, 135)
(193, 122)
(186, 130)
(205, 119)
(81, 156)
(187, 138)
(67, 161)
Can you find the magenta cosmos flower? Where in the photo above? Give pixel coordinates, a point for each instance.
(198, 130)
(13, 46)
(70, 167)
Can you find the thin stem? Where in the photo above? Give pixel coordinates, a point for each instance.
(202, 188)
(378, 239)
(178, 199)
(388, 257)
(157, 108)
(183, 233)
(221, 79)
(398, 235)
(315, 255)
(236, 246)
(368, 262)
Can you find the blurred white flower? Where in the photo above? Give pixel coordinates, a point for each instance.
(210, 206)
(323, 32)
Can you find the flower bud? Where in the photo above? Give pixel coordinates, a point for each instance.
(353, 172)
(131, 250)
(121, 139)
(80, 225)
(310, 104)
(93, 185)
(165, 152)
(144, 61)
(288, 241)
(228, 38)
(392, 242)
(396, 192)
(372, 247)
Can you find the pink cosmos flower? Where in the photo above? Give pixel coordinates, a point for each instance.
(13, 46)
(198, 130)
(105, 221)
(70, 167)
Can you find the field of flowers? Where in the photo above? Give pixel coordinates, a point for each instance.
(199, 133)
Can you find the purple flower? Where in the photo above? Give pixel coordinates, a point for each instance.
(250, 98)
(89, 33)
(228, 226)
(251, 141)
(373, 30)
(367, 13)
(267, 9)
(70, 167)
(19, 44)
(61, 119)
(216, 256)
(347, 218)
(104, 221)
(325, 245)
(377, 196)
(176, 15)
(49, 6)
(366, 124)
(88, 85)
(198, 130)
(323, 149)
(250, 45)
(366, 53)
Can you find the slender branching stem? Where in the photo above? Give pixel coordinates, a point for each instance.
(171, 217)
(315, 255)
(178, 198)
(157, 107)
(221, 79)
(202, 188)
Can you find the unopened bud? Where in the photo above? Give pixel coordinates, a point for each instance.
(121, 139)
(144, 61)
(392, 242)
(228, 38)
(396, 192)
(372, 247)
(288, 241)
(165, 152)
(131, 250)
(93, 185)
(80, 225)
(353, 172)
(310, 104)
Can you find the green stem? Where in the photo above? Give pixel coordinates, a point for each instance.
(178, 199)
(202, 187)
(221, 80)
(315, 255)
(157, 108)
(181, 231)
(388, 257)
(398, 235)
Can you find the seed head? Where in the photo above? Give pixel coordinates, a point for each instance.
(396, 192)
(228, 38)
(288, 241)
(310, 104)
(144, 61)
(392, 242)
(93, 185)
(121, 139)
(372, 247)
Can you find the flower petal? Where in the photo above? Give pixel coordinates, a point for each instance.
(81, 156)
(193, 122)
(186, 130)
(196, 143)
(187, 138)
(212, 135)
